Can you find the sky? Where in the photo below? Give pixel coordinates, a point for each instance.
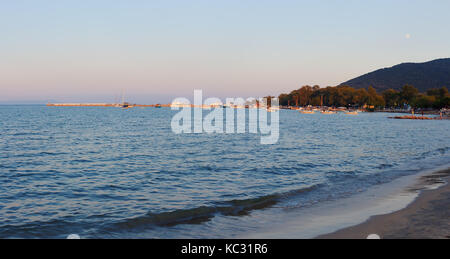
(154, 51)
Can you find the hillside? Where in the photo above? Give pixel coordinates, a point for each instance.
(433, 74)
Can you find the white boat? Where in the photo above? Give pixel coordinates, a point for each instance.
(352, 113)
(328, 112)
(307, 112)
(273, 109)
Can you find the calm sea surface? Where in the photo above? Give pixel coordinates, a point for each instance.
(112, 173)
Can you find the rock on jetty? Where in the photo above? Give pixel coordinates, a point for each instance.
(412, 117)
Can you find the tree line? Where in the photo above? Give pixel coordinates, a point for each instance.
(346, 96)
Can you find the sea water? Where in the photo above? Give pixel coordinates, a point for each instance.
(104, 172)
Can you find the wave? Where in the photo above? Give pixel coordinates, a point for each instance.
(55, 228)
(206, 213)
(25, 134)
(438, 151)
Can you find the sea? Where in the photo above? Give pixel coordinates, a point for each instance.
(107, 172)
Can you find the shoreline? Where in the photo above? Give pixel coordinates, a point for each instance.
(427, 216)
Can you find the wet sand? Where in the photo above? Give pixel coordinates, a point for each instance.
(427, 217)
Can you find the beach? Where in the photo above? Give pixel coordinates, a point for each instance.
(427, 217)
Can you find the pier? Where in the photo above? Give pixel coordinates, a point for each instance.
(103, 105)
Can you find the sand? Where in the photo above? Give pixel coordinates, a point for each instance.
(428, 217)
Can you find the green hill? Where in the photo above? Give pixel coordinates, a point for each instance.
(424, 76)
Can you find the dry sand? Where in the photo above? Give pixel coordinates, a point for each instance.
(427, 217)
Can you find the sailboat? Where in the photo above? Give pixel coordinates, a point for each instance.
(125, 105)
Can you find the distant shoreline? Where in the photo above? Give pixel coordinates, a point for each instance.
(100, 105)
(428, 216)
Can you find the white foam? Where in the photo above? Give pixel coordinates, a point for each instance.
(331, 216)
(373, 236)
(73, 236)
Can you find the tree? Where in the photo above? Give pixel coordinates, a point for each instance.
(361, 96)
(424, 101)
(268, 100)
(433, 92)
(408, 93)
(294, 97)
(284, 99)
(391, 97)
(374, 98)
(315, 101)
(443, 92)
(446, 102)
(349, 96)
(305, 95)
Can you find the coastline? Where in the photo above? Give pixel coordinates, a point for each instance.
(428, 216)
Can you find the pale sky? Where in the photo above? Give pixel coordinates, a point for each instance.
(89, 51)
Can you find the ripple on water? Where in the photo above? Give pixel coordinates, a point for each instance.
(102, 172)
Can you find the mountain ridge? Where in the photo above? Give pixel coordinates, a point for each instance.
(424, 76)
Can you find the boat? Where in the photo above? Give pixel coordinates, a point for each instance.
(352, 113)
(126, 106)
(328, 112)
(307, 111)
(273, 109)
